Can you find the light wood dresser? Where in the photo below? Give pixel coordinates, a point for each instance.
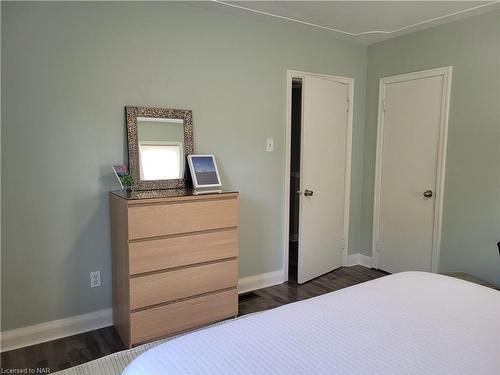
(175, 261)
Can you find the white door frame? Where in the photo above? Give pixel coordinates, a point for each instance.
(291, 74)
(446, 72)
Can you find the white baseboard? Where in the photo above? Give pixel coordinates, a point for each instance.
(35, 334)
(73, 325)
(249, 283)
(359, 259)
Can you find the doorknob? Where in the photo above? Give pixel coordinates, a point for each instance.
(308, 193)
(428, 193)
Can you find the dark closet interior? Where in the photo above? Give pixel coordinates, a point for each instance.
(296, 119)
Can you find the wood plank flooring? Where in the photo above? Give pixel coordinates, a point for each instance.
(290, 291)
(74, 350)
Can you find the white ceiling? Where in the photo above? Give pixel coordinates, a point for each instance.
(366, 21)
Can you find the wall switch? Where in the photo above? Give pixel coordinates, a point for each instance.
(269, 144)
(95, 279)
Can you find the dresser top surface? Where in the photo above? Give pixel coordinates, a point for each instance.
(167, 193)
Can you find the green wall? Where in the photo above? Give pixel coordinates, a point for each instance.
(160, 131)
(68, 70)
(471, 219)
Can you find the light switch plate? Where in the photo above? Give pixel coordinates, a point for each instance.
(269, 144)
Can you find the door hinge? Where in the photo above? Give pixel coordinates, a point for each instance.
(378, 246)
(384, 105)
(348, 105)
(342, 244)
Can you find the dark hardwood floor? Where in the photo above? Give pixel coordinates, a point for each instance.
(290, 291)
(74, 350)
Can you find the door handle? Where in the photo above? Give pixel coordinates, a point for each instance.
(308, 193)
(428, 194)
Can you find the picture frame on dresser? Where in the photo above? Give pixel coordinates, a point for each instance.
(204, 171)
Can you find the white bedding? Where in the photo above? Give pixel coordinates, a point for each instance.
(406, 323)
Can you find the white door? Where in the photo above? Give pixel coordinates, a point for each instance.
(323, 176)
(409, 156)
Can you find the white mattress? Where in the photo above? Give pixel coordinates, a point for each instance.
(406, 323)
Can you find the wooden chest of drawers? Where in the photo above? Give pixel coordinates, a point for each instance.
(175, 263)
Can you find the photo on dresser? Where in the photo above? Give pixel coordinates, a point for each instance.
(204, 171)
(123, 175)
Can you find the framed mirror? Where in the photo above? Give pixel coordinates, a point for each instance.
(159, 141)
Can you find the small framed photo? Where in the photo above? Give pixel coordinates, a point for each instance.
(123, 176)
(204, 171)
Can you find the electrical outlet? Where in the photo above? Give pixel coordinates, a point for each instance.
(95, 279)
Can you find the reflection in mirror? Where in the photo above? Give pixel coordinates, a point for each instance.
(161, 148)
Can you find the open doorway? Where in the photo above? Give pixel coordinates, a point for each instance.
(317, 174)
(296, 123)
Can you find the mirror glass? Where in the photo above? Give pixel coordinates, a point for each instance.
(161, 148)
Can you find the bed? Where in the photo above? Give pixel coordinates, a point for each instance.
(406, 323)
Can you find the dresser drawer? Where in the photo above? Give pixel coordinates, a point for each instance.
(172, 285)
(180, 316)
(160, 254)
(172, 218)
